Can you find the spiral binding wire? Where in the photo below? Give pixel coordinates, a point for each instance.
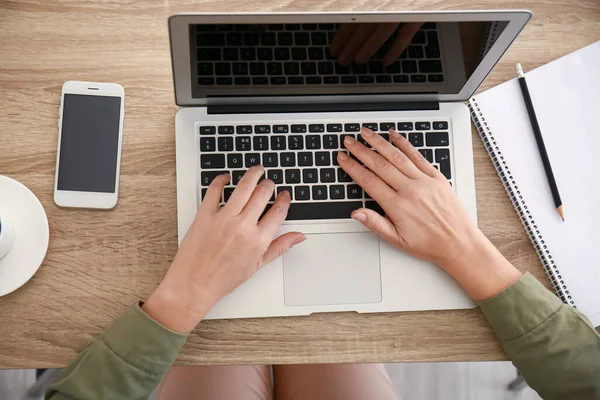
(514, 194)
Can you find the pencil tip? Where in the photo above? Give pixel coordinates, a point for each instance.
(561, 212)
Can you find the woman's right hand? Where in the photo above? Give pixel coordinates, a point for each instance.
(423, 215)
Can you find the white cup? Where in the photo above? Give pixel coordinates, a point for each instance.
(7, 236)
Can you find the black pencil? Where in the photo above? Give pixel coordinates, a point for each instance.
(540, 141)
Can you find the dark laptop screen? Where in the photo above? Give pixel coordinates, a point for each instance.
(328, 58)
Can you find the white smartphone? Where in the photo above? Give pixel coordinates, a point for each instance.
(90, 131)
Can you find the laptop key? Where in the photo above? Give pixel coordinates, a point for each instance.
(351, 127)
(409, 67)
(316, 128)
(342, 137)
(285, 39)
(334, 127)
(206, 177)
(436, 139)
(331, 80)
(442, 157)
(205, 68)
(295, 142)
(257, 68)
(405, 126)
(422, 126)
(372, 205)
(366, 79)
(430, 66)
(226, 130)
(313, 80)
(291, 68)
(330, 141)
(416, 51)
(385, 136)
(264, 54)
(286, 188)
(386, 126)
(282, 53)
(206, 81)
(204, 193)
(322, 158)
(371, 125)
(209, 54)
(231, 54)
(301, 39)
(305, 159)
(401, 78)
(349, 79)
(383, 79)
(327, 175)
(234, 161)
(298, 128)
(354, 192)
(342, 176)
(316, 53)
(280, 128)
(313, 142)
(278, 143)
(224, 81)
(236, 176)
(274, 68)
(278, 80)
(262, 129)
(287, 159)
(416, 139)
(276, 175)
(295, 80)
(338, 192)
(299, 53)
(301, 193)
(292, 176)
(435, 78)
(210, 39)
(207, 144)
(308, 68)
(319, 192)
(427, 153)
(310, 175)
(212, 161)
(418, 78)
(225, 143)
(252, 159)
(243, 129)
(440, 125)
(270, 160)
(208, 130)
(260, 143)
(243, 143)
(227, 193)
(248, 54)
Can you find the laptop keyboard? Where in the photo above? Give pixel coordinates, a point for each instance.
(302, 159)
(298, 54)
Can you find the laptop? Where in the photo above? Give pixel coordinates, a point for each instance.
(270, 89)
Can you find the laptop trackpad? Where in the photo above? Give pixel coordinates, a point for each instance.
(340, 268)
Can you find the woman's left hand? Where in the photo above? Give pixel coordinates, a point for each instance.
(223, 248)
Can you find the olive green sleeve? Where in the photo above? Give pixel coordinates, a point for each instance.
(127, 361)
(552, 344)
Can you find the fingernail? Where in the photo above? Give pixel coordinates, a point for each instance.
(342, 156)
(300, 240)
(360, 217)
(395, 134)
(285, 193)
(349, 140)
(366, 131)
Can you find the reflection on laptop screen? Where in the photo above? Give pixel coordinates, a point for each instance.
(327, 58)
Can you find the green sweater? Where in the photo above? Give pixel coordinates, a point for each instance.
(555, 347)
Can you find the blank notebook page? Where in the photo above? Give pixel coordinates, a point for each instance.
(566, 98)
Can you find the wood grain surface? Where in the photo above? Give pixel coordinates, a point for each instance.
(100, 262)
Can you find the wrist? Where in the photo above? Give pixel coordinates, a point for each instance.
(480, 268)
(175, 307)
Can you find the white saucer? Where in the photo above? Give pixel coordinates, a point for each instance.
(31, 233)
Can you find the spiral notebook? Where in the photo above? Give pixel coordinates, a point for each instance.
(566, 98)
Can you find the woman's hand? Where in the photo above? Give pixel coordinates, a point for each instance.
(359, 42)
(223, 248)
(423, 215)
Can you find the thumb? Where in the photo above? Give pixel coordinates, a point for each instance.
(375, 222)
(280, 245)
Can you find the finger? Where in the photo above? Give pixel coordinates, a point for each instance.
(356, 41)
(375, 41)
(403, 39)
(258, 201)
(375, 162)
(244, 190)
(341, 38)
(280, 245)
(375, 222)
(273, 219)
(371, 183)
(415, 158)
(391, 154)
(212, 199)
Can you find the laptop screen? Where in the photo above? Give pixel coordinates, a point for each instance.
(332, 58)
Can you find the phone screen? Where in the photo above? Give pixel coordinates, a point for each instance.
(89, 143)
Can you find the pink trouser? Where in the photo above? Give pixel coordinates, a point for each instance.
(290, 382)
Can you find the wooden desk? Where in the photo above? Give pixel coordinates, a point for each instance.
(101, 262)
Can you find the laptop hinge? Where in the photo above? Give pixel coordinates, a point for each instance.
(318, 107)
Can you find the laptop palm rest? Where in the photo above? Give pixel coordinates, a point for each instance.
(326, 269)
